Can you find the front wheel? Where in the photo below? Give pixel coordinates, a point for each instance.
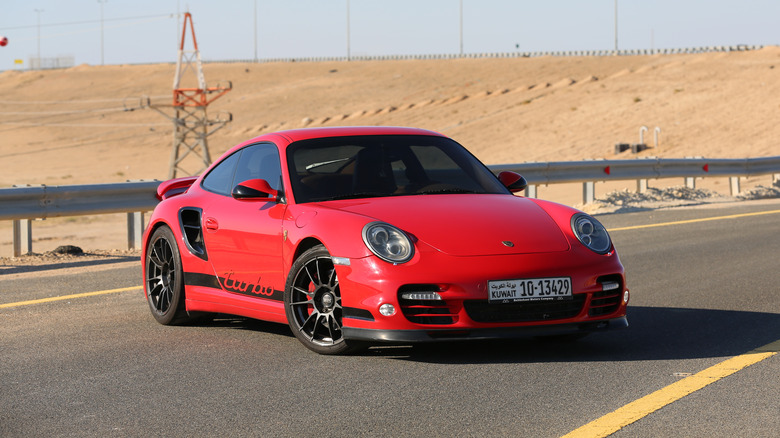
(312, 302)
(165, 278)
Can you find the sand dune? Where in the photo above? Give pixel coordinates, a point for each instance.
(70, 126)
(83, 125)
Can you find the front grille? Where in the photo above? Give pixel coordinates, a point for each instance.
(431, 312)
(482, 311)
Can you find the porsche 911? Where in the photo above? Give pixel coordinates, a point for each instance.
(357, 236)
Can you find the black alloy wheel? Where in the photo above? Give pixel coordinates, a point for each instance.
(312, 301)
(164, 278)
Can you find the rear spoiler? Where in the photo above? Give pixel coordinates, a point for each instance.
(173, 187)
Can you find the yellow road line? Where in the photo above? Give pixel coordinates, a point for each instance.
(616, 420)
(693, 221)
(68, 297)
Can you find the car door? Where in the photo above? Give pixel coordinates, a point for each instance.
(243, 237)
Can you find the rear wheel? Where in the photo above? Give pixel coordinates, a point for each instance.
(165, 278)
(312, 302)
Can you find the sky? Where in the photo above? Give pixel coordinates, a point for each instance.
(147, 31)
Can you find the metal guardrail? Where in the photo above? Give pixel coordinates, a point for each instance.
(515, 54)
(22, 204)
(479, 55)
(588, 172)
(40, 202)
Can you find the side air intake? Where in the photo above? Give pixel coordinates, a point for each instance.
(189, 218)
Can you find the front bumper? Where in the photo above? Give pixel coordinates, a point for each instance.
(436, 335)
(599, 297)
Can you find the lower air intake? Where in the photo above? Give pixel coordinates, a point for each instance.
(482, 311)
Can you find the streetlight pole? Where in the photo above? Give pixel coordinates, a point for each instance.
(255, 30)
(38, 11)
(349, 50)
(616, 26)
(102, 57)
(461, 27)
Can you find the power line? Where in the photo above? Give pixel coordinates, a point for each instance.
(68, 102)
(69, 23)
(83, 125)
(94, 140)
(66, 117)
(92, 29)
(95, 110)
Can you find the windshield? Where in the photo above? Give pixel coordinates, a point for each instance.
(333, 168)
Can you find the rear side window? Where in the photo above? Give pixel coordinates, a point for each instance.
(259, 161)
(252, 162)
(220, 179)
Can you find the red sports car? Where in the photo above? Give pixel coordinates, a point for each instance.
(355, 236)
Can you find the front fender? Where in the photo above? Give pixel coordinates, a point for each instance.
(339, 231)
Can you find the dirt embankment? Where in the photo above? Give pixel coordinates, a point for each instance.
(75, 126)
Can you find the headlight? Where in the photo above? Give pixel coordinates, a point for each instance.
(591, 233)
(388, 242)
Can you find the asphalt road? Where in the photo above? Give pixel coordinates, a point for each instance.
(701, 293)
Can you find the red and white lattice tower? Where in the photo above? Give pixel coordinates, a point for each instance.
(191, 96)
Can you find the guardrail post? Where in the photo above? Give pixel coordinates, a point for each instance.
(641, 185)
(135, 229)
(690, 182)
(22, 237)
(734, 184)
(530, 191)
(588, 192)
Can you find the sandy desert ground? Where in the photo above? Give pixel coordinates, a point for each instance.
(72, 126)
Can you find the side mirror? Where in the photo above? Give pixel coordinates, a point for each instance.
(513, 181)
(252, 189)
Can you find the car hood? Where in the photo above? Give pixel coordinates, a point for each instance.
(465, 224)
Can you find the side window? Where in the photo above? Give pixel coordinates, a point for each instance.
(260, 161)
(220, 178)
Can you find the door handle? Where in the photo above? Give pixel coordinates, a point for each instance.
(211, 224)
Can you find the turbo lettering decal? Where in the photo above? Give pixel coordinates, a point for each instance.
(231, 284)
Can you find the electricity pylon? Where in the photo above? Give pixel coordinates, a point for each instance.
(191, 125)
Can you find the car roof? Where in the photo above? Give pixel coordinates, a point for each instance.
(293, 135)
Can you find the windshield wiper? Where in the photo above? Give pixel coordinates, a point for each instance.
(325, 163)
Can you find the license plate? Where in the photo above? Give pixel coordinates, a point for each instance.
(529, 289)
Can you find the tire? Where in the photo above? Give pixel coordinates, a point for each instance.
(312, 302)
(165, 278)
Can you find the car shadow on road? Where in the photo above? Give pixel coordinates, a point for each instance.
(242, 323)
(655, 333)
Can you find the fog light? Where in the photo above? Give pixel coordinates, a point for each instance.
(387, 309)
(625, 297)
